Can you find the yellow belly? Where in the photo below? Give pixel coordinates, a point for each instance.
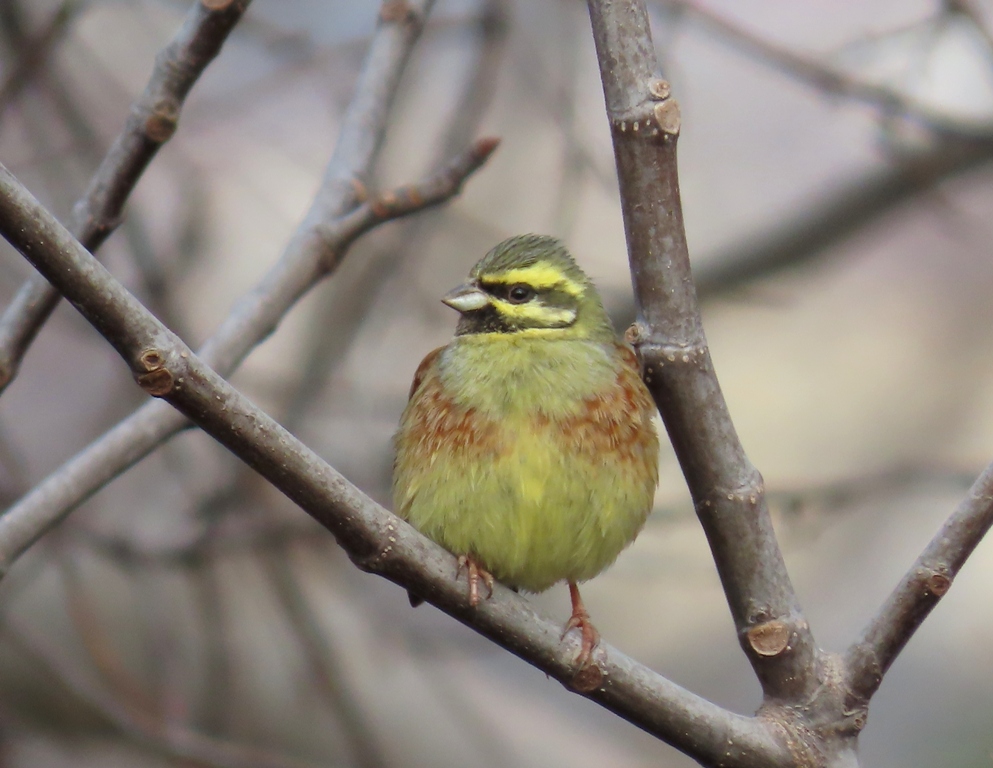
(538, 512)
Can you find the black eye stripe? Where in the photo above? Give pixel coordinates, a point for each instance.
(515, 293)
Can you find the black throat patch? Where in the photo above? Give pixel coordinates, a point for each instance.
(483, 320)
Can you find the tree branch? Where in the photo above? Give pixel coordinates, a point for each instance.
(153, 119)
(918, 593)
(132, 439)
(855, 205)
(727, 490)
(311, 253)
(375, 540)
(170, 739)
(34, 52)
(832, 80)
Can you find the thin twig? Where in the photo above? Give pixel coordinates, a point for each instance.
(34, 53)
(317, 250)
(829, 79)
(971, 11)
(172, 740)
(311, 253)
(93, 636)
(151, 123)
(327, 666)
(918, 593)
(374, 539)
(727, 490)
(856, 205)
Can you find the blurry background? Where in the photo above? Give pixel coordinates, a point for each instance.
(835, 170)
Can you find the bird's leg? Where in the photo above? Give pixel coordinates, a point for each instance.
(580, 620)
(475, 573)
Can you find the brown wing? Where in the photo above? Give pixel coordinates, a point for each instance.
(422, 370)
(627, 356)
(617, 419)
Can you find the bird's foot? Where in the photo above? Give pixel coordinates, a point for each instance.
(475, 573)
(580, 620)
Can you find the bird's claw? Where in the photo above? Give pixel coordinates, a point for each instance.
(474, 574)
(580, 620)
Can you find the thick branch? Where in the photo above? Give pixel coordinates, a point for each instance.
(920, 590)
(375, 539)
(727, 490)
(132, 439)
(153, 119)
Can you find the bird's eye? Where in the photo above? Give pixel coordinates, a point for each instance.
(520, 293)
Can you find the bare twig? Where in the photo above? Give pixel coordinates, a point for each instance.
(315, 251)
(326, 665)
(312, 252)
(153, 119)
(727, 490)
(971, 11)
(35, 52)
(855, 205)
(374, 539)
(829, 79)
(922, 587)
(172, 740)
(93, 636)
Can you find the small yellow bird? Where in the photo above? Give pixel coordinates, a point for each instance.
(528, 448)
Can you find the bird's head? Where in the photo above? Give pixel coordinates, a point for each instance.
(530, 285)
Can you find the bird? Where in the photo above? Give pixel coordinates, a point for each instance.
(528, 446)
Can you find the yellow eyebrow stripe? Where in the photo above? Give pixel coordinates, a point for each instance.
(540, 277)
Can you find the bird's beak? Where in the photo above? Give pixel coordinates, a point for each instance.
(466, 298)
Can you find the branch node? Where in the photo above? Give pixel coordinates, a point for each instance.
(668, 117)
(634, 334)
(660, 354)
(157, 380)
(643, 127)
(937, 582)
(770, 638)
(161, 123)
(151, 359)
(157, 383)
(659, 89)
(587, 678)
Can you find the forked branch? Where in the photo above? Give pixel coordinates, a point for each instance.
(727, 490)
